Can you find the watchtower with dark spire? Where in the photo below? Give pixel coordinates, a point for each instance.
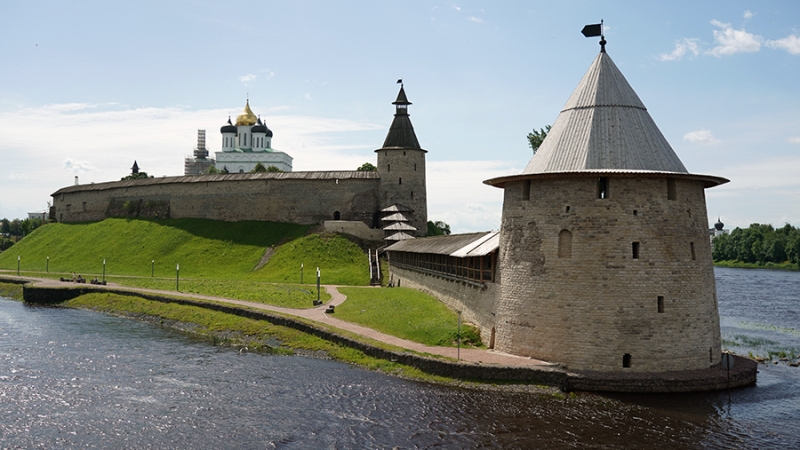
(401, 165)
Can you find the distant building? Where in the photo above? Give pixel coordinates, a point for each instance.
(248, 143)
(719, 229)
(37, 215)
(200, 163)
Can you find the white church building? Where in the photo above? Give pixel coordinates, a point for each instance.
(248, 143)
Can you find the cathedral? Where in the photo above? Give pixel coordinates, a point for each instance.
(244, 145)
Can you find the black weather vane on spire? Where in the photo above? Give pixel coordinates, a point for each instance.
(596, 30)
(400, 82)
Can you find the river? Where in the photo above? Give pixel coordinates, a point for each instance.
(79, 379)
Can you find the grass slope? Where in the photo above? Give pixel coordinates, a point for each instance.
(405, 313)
(204, 249)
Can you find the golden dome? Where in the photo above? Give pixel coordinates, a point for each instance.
(246, 117)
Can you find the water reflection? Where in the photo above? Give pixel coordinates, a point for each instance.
(79, 379)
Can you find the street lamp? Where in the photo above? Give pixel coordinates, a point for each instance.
(18, 258)
(47, 265)
(104, 271)
(301, 273)
(318, 284)
(152, 268)
(177, 277)
(458, 352)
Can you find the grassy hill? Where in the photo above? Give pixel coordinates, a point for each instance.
(204, 249)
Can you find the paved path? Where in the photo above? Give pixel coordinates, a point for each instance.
(318, 314)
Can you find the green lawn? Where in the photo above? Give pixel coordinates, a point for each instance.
(405, 313)
(284, 295)
(207, 249)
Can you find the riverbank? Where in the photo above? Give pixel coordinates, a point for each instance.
(480, 366)
(769, 265)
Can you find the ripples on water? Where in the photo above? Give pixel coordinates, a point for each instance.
(75, 379)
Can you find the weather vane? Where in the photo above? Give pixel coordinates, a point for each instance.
(596, 30)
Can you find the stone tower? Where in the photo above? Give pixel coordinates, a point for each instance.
(604, 248)
(401, 165)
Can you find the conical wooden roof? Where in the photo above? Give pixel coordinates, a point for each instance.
(604, 126)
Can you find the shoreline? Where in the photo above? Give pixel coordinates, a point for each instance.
(786, 267)
(453, 372)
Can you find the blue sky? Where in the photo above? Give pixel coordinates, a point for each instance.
(88, 87)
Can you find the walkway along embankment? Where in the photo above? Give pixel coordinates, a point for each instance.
(714, 378)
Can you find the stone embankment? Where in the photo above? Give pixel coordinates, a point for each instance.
(475, 365)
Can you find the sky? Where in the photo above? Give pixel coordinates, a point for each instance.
(88, 87)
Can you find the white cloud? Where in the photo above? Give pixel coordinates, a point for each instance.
(702, 137)
(248, 78)
(475, 19)
(456, 7)
(794, 140)
(748, 14)
(75, 166)
(681, 48)
(790, 43)
(730, 41)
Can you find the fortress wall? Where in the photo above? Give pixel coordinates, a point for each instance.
(303, 201)
(477, 304)
(586, 301)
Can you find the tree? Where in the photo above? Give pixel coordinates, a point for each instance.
(367, 167)
(274, 169)
(438, 228)
(535, 138)
(259, 168)
(5, 226)
(136, 176)
(212, 170)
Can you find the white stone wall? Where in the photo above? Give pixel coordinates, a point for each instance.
(589, 309)
(244, 162)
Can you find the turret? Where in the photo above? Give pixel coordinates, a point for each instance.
(228, 136)
(401, 164)
(262, 137)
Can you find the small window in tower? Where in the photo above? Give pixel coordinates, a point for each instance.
(671, 194)
(711, 355)
(388, 167)
(694, 255)
(635, 250)
(415, 167)
(602, 187)
(661, 303)
(566, 209)
(404, 153)
(526, 190)
(564, 244)
(412, 195)
(400, 181)
(635, 212)
(626, 360)
(68, 206)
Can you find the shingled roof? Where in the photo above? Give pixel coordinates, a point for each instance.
(401, 133)
(605, 128)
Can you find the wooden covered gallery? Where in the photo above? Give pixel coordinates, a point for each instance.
(468, 257)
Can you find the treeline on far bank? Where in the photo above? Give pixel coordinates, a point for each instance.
(760, 244)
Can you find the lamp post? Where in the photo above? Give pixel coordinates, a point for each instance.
(18, 259)
(104, 271)
(177, 277)
(318, 284)
(301, 273)
(458, 352)
(47, 265)
(152, 268)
